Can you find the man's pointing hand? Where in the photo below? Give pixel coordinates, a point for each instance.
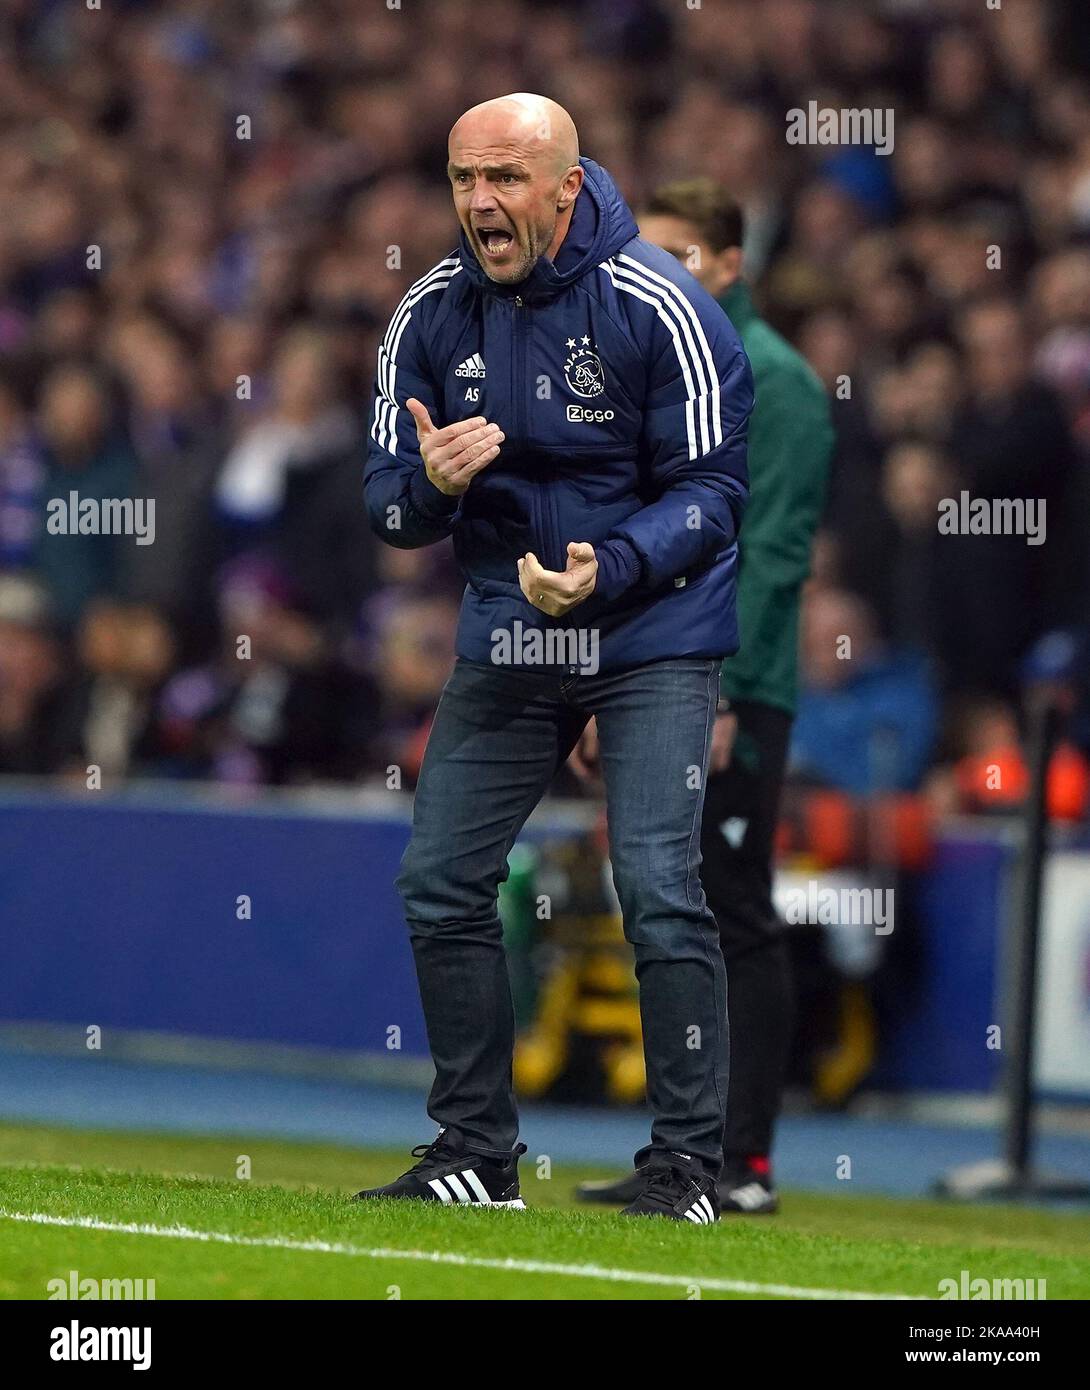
(555, 593)
(454, 455)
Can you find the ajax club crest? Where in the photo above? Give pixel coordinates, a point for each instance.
(583, 368)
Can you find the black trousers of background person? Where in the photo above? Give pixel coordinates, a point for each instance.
(741, 810)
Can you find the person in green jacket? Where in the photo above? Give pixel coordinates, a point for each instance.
(790, 448)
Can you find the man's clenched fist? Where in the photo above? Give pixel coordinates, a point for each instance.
(554, 592)
(454, 455)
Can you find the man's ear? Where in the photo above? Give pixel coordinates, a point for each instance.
(569, 188)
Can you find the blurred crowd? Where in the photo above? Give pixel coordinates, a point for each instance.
(210, 212)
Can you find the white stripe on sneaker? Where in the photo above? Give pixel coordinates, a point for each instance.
(440, 1191)
(454, 1183)
(708, 1208)
(478, 1187)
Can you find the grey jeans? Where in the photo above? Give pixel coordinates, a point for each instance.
(499, 736)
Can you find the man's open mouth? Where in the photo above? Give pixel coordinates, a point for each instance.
(494, 240)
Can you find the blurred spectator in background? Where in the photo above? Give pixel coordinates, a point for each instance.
(125, 652)
(34, 734)
(989, 773)
(898, 559)
(178, 447)
(867, 715)
(290, 487)
(22, 478)
(278, 704)
(83, 455)
(1007, 422)
(1060, 307)
(413, 655)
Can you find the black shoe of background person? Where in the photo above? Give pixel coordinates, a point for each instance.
(747, 1191)
(450, 1173)
(675, 1188)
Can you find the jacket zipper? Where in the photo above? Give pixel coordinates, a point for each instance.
(518, 394)
(546, 517)
(520, 370)
(547, 520)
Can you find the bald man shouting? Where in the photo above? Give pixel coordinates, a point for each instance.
(565, 402)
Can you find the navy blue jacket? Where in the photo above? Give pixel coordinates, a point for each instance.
(624, 395)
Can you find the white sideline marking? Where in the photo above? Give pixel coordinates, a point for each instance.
(442, 1257)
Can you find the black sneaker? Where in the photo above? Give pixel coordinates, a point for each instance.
(745, 1192)
(677, 1189)
(455, 1175)
(617, 1192)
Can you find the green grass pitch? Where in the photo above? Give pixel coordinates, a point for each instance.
(171, 1208)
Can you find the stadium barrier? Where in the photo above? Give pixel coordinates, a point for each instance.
(274, 920)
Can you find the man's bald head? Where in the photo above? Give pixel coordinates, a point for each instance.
(537, 125)
(514, 167)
